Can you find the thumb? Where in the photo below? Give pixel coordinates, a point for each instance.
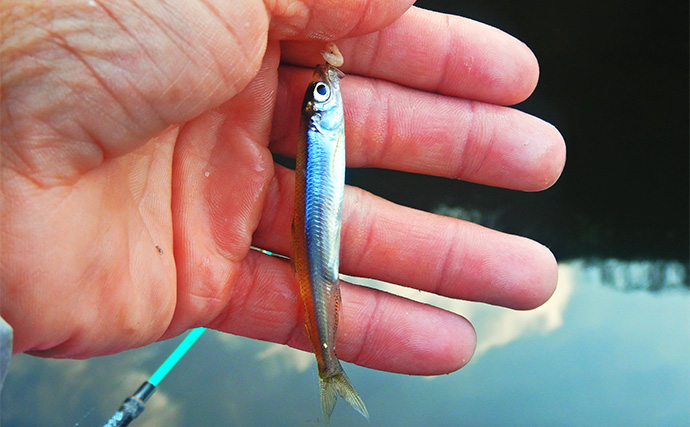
(332, 19)
(88, 80)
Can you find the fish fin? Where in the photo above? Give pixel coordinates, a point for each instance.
(339, 385)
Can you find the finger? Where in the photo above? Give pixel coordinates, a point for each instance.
(390, 126)
(328, 20)
(417, 249)
(440, 53)
(376, 329)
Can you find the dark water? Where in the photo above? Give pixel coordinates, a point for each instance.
(612, 347)
(614, 81)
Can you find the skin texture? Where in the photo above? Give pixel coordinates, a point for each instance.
(135, 128)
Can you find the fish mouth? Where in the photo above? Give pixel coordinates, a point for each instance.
(328, 74)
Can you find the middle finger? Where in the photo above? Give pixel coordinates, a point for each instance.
(395, 127)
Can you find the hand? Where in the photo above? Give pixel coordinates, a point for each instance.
(137, 171)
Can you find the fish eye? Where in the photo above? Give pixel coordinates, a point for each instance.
(321, 92)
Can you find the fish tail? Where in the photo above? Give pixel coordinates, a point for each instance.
(339, 385)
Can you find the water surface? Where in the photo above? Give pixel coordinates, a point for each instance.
(611, 347)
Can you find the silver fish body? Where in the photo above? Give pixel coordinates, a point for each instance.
(319, 190)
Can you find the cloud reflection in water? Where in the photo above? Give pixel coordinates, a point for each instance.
(611, 342)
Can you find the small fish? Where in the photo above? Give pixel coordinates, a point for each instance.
(319, 189)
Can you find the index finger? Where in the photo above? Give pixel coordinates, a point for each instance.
(435, 52)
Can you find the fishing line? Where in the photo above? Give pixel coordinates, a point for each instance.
(134, 405)
(266, 252)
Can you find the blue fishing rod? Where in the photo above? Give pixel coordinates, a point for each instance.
(134, 405)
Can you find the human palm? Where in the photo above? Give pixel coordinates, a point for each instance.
(137, 172)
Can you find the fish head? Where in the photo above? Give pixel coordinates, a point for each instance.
(322, 106)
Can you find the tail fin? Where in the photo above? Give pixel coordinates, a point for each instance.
(339, 385)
